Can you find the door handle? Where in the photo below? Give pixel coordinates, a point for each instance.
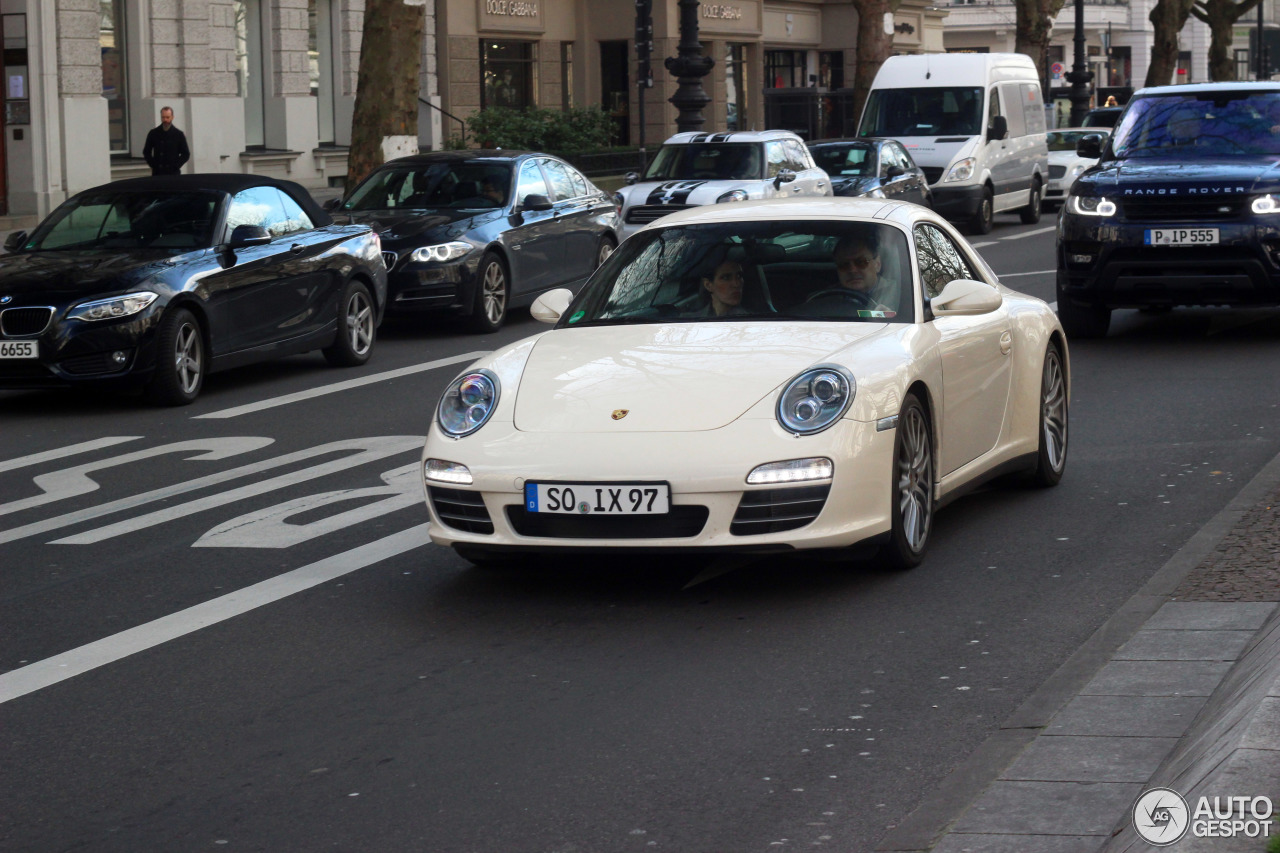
(1006, 342)
(297, 248)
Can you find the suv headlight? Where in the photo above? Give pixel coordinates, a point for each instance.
(440, 253)
(1266, 204)
(815, 399)
(1088, 205)
(733, 195)
(468, 403)
(960, 171)
(110, 309)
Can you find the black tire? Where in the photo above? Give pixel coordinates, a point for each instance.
(984, 218)
(181, 360)
(493, 295)
(1083, 321)
(1031, 213)
(607, 247)
(357, 327)
(912, 486)
(1051, 460)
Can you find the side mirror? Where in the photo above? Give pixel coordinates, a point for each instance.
(631, 177)
(784, 176)
(245, 236)
(550, 306)
(965, 298)
(1090, 146)
(14, 241)
(896, 171)
(534, 201)
(998, 128)
(332, 204)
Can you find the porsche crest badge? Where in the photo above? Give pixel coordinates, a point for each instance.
(619, 414)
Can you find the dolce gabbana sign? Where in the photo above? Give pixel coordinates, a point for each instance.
(524, 16)
(740, 18)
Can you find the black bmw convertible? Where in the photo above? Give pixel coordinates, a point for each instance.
(156, 282)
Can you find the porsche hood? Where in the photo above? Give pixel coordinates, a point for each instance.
(667, 377)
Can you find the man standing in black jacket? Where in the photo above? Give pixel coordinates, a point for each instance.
(166, 149)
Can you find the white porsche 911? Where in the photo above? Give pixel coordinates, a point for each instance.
(757, 377)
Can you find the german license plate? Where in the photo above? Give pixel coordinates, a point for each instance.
(598, 498)
(19, 349)
(1182, 236)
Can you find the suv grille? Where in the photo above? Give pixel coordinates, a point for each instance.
(681, 522)
(461, 510)
(774, 510)
(647, 213)
(1166, 209)
(17, 322)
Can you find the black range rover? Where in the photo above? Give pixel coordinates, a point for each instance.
(1183, 207)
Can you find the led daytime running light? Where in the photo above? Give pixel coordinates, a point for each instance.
(1266, 204)
(113, 308)
(441, 253)
(1092, 206)
(453, 473)
(791, 471)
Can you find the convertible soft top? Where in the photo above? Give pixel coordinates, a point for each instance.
(229, 182)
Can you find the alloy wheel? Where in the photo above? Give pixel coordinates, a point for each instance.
(915, 478)
(359, 322)
(1053, 411)
(188, 358)
(495, 293)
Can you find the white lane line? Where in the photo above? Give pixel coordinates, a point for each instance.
(69, 450)
(1016, 274)
(984, 243)
(50, 671)
(1031, 233)
(285, 400)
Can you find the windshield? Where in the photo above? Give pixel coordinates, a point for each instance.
(130, 220)
(1214, 123)
(1065, 140)
(762, 271)
(738, 161)
(856, 159)
(465, 185)
(941, 111)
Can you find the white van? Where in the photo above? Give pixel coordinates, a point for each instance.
(974, 122)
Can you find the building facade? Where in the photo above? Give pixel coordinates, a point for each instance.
(778, 64)
(257, 86)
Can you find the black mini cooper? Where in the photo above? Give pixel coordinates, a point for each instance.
(156, 282)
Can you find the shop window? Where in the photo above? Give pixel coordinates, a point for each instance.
(1183, 74)
(566, 74)
(250, 69)
(1120, 63)
(615, 91)
(320, 55)
(784, 69)
(111, 44)
(508, 69)
(831, 69)
(735, 80)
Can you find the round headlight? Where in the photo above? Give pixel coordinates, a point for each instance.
(815, 399)
(468, 403)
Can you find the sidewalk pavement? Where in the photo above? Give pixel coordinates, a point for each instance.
(1180, 690)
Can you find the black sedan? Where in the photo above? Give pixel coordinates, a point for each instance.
(476, 233)
(156, 282)
(872, 168)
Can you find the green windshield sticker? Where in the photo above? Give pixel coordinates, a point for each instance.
(578, 315)
(873, 314)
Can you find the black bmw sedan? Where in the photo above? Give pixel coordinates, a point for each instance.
(872, 168)
(476, 233)
(156, 282)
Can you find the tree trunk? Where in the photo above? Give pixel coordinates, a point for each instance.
(386, 109)
(874, 46)
(1167, 19)
(1033, 31)
(1221, 16)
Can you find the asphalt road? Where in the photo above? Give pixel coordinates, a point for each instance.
(221, 629)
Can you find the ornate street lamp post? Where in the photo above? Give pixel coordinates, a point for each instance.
(1079, 75)
(689, 66)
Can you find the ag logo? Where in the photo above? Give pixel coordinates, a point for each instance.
(1161, 816)
(619, 414)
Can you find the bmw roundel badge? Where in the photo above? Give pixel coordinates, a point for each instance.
(5, 300)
